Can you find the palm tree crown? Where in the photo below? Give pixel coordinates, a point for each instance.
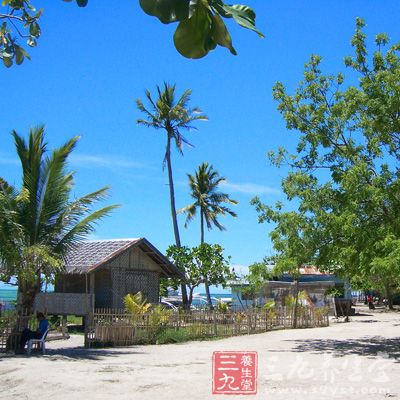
(208, 200)
(171, 115)
(40, 222)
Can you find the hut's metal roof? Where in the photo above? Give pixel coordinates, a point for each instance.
(90, 255)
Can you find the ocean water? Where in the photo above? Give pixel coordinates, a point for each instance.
(7, 298)
(8, 294)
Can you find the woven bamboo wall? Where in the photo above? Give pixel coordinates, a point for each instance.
(131, 272)
(71, 283)
(103, 288)
(64, 303)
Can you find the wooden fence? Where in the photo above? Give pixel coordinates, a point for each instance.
(11, 327)
(111, 327)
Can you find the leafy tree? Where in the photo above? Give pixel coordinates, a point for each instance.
(20, 20)
(39, 223)
(172, 116)
(292, 240)
(345, 175)
(200, 27)
(201, 263)
(259, 273)
(209, 201)
(137, 305)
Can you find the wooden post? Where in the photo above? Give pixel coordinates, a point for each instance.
(64, 326)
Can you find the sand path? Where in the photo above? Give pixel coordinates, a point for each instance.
(360, 359)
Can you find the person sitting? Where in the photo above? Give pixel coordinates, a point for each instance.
(371, 304)
(28, 334)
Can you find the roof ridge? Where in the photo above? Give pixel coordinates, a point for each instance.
(111, 240)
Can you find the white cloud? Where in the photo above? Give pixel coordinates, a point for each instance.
(250, 188)
(88, 160)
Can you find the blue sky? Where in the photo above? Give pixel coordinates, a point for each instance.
(92, 63)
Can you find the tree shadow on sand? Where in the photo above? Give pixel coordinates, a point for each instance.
(374, 346)
(81, 353)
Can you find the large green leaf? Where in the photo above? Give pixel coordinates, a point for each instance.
(168, 11)
(221, 34)
(19, 55)
(193, 37)
(243, 15)
(7, 61)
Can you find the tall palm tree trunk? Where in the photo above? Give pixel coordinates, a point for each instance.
(27, 294)
(206, 284)
(173, 214)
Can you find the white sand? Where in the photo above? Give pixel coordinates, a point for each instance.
(360, 359)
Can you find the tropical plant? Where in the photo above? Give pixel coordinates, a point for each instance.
(259, 273)
(158, 320)
(270, 309)
(39, 222)
(344, 177)
(209, 201)
(269, 305)
(136, 304)
(222, 307)
(198, 262)
(172, 116)
(200, 28)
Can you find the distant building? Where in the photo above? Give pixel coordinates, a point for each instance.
(312, 280)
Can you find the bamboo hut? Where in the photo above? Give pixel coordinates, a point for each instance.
(110, 269)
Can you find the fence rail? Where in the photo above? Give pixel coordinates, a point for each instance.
(11, 327)
(119, 328)
(112, 327)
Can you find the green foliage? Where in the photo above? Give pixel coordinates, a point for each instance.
(258, 274)
(170, 114)
(210, 203)
(172, 335)
(39, 222)
(158, 316)
(19, 16)
(201, 263)
(207, 199)
(222, 306)
(200, 26)
(269, 305)
(136, 304)
(334, 291)
(290, 300)
(345, 176)
(270, 308)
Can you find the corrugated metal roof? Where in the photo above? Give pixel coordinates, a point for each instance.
(89, 255)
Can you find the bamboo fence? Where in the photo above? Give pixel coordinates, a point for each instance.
(11, 327)
(111, 327)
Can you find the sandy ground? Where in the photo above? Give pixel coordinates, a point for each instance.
(360, 359)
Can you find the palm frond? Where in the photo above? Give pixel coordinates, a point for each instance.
(203, 185)
(81, 229)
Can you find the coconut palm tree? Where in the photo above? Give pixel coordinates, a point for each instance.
(39, 222)
(172, 116)
(209, 202)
